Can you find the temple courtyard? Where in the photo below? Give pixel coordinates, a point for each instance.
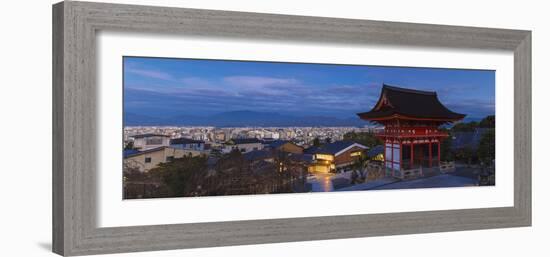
(462, 176)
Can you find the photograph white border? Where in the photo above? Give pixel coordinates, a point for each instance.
(113, 211)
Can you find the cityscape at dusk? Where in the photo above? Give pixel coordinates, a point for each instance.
(218, 127)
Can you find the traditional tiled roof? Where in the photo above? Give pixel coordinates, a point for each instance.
(149, 135)
(311, 150)
(239, 141)
(258, 155)
(132, 153)
(277, 143)
(409, 103)
(183, 140)
(332, 148)
(379, 149)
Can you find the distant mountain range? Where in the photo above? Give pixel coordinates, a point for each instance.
(248, 119)
(241, 119)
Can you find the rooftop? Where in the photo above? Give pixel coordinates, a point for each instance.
(397, 102)
(132, 153)
(183, 140)
(278, 143)
(332, 148)
(239, 141)
(149, 135)
(379, 149)
(258, 155)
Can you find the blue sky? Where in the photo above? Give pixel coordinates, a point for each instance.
(165, 87)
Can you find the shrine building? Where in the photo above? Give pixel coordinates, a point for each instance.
(411, 134)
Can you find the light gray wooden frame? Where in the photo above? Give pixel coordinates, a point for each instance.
(74, 129)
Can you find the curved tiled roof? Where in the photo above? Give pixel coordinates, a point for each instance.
(409, 103)
(331, 148)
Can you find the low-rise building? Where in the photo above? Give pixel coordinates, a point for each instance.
(285, 146)
(187, 144)
(219, 136)
(150, 141)
(244, 145)
(151, 158)
(333, 156)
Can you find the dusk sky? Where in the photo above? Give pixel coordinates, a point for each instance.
(161, 87)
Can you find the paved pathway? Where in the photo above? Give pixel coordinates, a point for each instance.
(443, 180)
(324, 183)
(370, 185)
(321, 183)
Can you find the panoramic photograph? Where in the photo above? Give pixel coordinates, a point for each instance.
(198, 127)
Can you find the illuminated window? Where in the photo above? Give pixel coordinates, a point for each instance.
(327, 157)
(358, 153)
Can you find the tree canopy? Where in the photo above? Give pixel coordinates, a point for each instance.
(365, 138)
(487, 122)
(486, 149)
(316, 141)
(183, 176)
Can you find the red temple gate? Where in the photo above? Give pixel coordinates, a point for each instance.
(411, 135)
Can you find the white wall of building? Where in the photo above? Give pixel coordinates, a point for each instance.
(243, 148)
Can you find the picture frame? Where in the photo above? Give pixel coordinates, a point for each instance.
(75, 24)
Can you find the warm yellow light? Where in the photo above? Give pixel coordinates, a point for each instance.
(353, 154)
(326, 157)
(319, 168)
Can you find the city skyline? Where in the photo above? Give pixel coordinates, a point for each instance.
(176, 91)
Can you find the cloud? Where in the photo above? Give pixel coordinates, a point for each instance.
(196, 81)
(354, 90)
(272, 94)
(200, 95)
(258, 86)
(150, 73)
(258, 81)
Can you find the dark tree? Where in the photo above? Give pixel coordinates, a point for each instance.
(465, 154)
(486, 149)
(446, 151)
(465, 127)
(183, 176)
(216, 153)
(129, 146)
(233, 174)
(360, 164)
(487, 122)
(365, 138)
(316, 142)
